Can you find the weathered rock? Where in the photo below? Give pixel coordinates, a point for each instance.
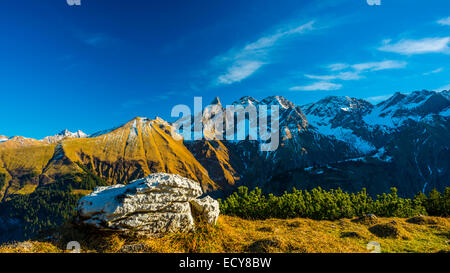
(157, 204)
(207, 208)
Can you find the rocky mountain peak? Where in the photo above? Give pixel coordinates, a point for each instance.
(278, 100)
(333, 105)
(216, 101)
(246, 100)
(64, 134)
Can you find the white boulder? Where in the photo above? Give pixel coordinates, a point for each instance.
(157, 204)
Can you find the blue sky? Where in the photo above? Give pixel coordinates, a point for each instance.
(98, 65)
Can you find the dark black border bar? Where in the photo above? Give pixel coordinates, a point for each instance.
(225, 262)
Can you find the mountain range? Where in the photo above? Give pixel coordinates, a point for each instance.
(335, 142)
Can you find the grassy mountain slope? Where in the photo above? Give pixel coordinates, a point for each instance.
(22, 163)
(129, 152)
(136, 149)
(236, 235)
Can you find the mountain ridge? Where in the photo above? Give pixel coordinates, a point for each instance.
(333, 130)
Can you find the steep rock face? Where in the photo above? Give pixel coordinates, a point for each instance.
(241, 162)
(157, 204)
(219, 160)
(341, 118)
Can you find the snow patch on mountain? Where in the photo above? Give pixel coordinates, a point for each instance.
(342, 134)
(327, 113)
(64, 134)
(417, 106)
(445, 113)
(3, 139)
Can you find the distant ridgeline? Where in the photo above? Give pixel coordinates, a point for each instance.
(337, 142)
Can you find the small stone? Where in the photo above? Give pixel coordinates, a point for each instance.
(207, 208)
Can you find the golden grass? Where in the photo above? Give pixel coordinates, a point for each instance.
(30, 247)
(145, 145)
(82, 192)
(26, 189)
(236, 235)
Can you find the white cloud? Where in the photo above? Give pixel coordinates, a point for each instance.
(345, 76)
(324, 86)
(241, 64)
(239, 71)
(376, 66)
(411, 47)
(438, 70)
(444, 21)
(269, 41)
(377, 99)
(337, 66)
(354, 72)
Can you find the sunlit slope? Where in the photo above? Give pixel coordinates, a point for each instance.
(21, 162)
(218, 160)
(136, 149)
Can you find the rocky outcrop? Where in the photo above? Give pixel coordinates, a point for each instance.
(157, 204)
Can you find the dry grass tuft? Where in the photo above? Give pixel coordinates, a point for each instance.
(388, 230)
(422, 220)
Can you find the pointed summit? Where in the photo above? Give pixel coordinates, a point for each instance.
(246, 100)
(216, 101)
(65, 132)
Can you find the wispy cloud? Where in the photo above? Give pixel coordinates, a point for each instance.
(242, 63)
(345, 76)
(376, 66)
(338, 66)
(444, 21)
(317, 86)
(438, 70)
(422, 46)
(239, 71)
(377, 99)
(348, 72)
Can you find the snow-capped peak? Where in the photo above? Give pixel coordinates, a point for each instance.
(64, 134)
(3, 138)
(328, 108)
(77, 134)
(415, 106)
(278, 100)
(245, 101)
